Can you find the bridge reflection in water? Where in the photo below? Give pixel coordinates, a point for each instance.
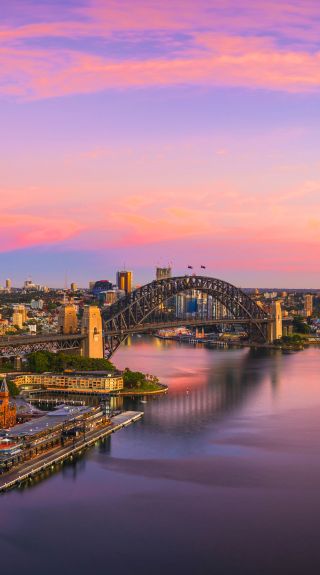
(204, 384)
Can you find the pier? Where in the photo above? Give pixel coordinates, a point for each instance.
(29, 469)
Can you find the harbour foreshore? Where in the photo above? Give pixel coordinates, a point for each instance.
(127, 392)
(31, 468)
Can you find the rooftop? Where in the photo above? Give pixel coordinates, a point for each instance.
(57, 417)
(84, 374)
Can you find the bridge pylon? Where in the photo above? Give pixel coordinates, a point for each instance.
(93, 344)
(275, 326)
(67, 319)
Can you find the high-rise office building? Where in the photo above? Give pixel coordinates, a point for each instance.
(308, 304)
(74, 287)
(124, 281)
(20, 309)
(111, 296)
(8, 285)
(101, 286)
(163, 273)
(17, 319)
(29, 285)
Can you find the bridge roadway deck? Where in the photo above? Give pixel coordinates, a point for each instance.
(20, 340)
(31, 468)
(25, 341)
(167, 324)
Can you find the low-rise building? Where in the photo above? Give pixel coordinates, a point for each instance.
(9, 450)
(76, 382)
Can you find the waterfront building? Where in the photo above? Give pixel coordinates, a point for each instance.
(124, 281)
(308, 304)
(74, 382)
(51, 425)
(67, 319)
(9, 450)
(8, 411)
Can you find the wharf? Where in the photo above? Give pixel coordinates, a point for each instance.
(31, 468)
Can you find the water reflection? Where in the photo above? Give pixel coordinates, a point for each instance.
(220, 476)
(204, 392)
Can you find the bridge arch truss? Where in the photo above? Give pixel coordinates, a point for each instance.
(130, 314)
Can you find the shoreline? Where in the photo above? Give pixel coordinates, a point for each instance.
(140, 392)
(29, 469)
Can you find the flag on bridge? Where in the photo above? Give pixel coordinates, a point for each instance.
(203, 267)
(190, 267)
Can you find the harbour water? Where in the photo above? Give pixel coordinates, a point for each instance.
(220, 476)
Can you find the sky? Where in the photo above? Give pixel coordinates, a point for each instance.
(141, 133)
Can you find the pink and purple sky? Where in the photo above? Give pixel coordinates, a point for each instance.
(142, 132)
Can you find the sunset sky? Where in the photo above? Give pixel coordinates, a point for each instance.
(142, 132)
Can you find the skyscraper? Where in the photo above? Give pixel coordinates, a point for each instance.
(8, 284)
(308, 304)
(124, 281)
(17, 319)
(19, 316)
(163, 273)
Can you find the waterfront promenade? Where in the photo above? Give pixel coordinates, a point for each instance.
(31, 468)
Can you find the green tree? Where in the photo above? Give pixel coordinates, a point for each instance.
(41, 361)
(133, 379)
(13, 388)
(300, 326)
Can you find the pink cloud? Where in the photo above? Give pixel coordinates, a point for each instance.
(226, 47)
(34, 74)
(24, 231)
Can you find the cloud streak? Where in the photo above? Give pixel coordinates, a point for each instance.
(267, 47)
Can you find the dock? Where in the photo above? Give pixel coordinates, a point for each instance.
(29, 469)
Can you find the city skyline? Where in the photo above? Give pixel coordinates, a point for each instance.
(148, 134)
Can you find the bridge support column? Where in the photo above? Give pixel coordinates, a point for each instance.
(93, 344)
(275, 327)
(17, 363)
(67, 320)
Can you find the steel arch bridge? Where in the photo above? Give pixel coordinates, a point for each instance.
(131, 313)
